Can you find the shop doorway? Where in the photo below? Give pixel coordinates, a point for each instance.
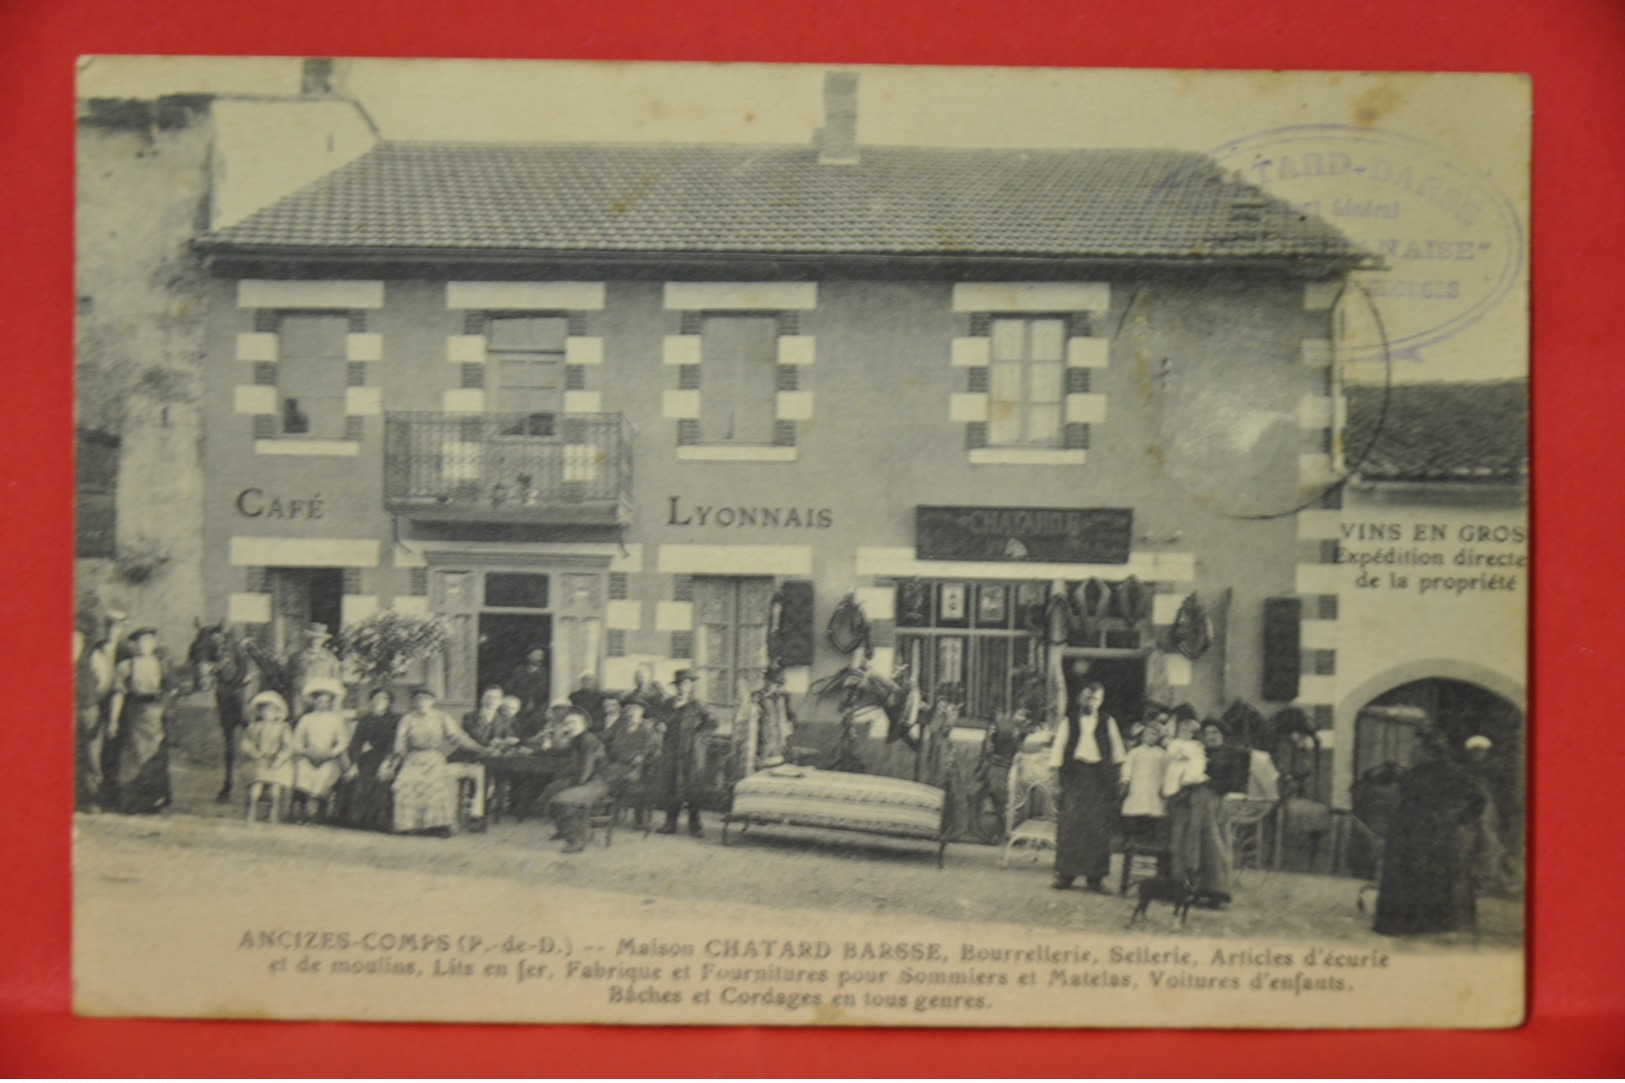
(731, 618)
(504, 639)
(1122, 676)
(301, 597)
(1385, 745)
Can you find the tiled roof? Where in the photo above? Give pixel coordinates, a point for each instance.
(477, 198)
(1439, 431)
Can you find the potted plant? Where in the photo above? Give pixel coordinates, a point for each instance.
(382, 648)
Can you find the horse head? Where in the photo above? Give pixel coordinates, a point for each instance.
(205, 654)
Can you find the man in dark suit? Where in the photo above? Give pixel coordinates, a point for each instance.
(683, 760)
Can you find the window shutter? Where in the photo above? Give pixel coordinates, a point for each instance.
(796, 635)
(1282, 648)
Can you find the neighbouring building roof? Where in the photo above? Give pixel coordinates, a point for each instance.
(573, 198)
(1460, 432)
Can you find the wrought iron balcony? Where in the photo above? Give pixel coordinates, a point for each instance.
(509, 468)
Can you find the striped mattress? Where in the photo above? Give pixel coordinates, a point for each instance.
(808, 797)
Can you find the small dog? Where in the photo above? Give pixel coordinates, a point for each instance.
(1181, 892)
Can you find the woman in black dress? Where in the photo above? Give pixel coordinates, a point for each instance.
(1087, 754)
(1427, 869)
(367, 802)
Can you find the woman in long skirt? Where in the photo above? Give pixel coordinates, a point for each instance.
(1088, 754)
(366, 792)
(142, 775)
(425, 793)
(1200, 843)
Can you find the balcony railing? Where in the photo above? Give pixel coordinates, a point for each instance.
(561, 468)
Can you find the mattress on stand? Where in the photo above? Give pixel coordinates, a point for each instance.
(808, 797)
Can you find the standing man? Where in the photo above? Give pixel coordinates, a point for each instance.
(313, 662)
(1088, 755)
(530, 682)
(101, 663)
(612, 716)
(590, 699)
(647, 691)
(683, 762)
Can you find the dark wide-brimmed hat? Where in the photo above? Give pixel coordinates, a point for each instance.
(683, 675)
(145, 630)
(422, 690)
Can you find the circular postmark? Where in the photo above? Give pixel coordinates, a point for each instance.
(1307, 256)
(1451, 244)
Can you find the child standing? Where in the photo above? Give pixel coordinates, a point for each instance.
(1144, 770)
(267, 753)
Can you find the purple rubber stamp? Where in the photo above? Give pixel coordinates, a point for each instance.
(1451, 244)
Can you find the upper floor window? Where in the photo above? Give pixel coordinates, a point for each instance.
(1026, 381)
(739, 379)
(311, 375)
(526, 355)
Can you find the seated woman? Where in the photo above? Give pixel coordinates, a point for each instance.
(321, 742)
(425, 794)
(366, 791)
(586, 786)
(267, 754)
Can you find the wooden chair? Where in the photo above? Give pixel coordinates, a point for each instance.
(1031, 782)
(603, 814)
(1248, 830)
(1144, 857)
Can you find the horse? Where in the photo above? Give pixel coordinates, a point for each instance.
(238, 669)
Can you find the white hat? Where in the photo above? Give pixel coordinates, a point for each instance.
(1478, 740)
(271, 698)
(329, 685)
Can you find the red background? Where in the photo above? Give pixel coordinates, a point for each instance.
(1575, 50)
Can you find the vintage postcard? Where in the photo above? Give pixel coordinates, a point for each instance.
(853, 546)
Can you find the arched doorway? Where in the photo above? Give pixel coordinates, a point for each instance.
(1385, 746)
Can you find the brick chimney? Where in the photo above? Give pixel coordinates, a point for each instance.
(320, 76)
(837, 140)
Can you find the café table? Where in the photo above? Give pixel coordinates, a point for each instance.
(518, 778)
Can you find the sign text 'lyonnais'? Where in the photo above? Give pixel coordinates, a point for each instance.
(747, 516)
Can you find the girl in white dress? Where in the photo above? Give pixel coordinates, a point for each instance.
(267, 754)
(321, 742)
